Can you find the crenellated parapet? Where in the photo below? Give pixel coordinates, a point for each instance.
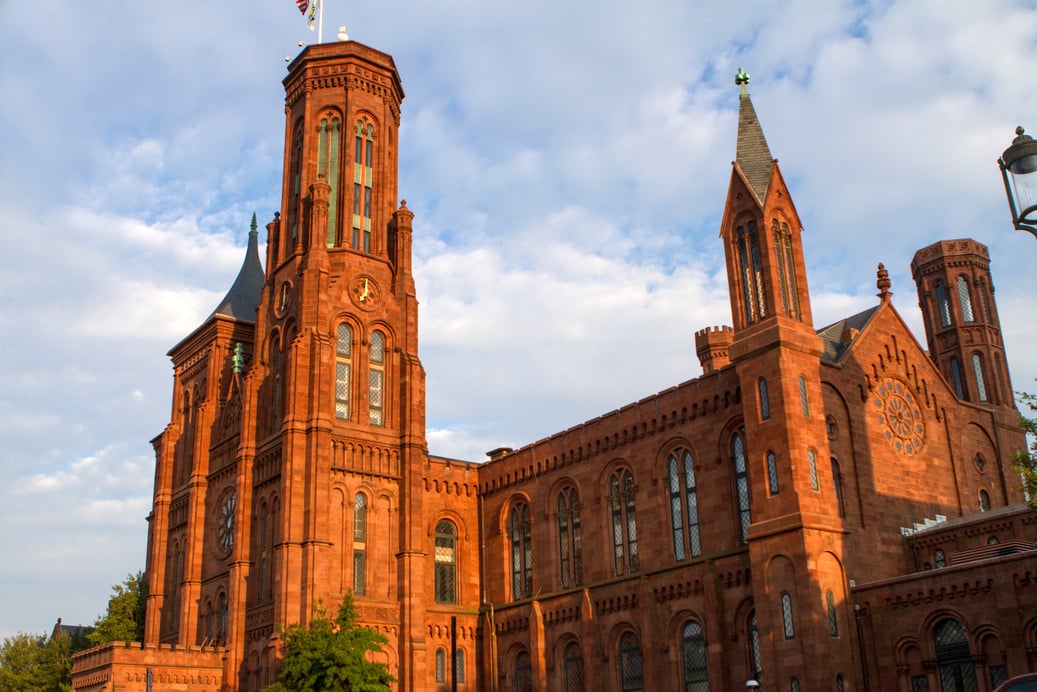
(712, 345)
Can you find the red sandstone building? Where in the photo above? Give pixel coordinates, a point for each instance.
(826, 509)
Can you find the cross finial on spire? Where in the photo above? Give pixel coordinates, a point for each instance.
(742, 80)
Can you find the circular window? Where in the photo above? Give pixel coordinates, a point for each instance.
(898, 411)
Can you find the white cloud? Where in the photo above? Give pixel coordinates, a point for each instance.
(567, 175)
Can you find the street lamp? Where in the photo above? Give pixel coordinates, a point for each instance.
(1019, 170)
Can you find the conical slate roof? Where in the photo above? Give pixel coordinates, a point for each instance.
(752, 153)
(242, 300)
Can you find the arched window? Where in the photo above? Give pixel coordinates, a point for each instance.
(812, 467)
(804, 403)
(772, 473)
(992, 540)
(375, 399)
(953, 657)
(833, 619)
(521, 552)
(343, 369)
(573, 677)
(275, 384)
(686, 536)
(441, 665)
(786, 615)
(570, 542)
(296, 186)
(446, 562)
(794, 685)
(786, 269)
(363, 175)
(831, 427)
(264, 551)
(741, 483)
(459, 667)
(765, 404)
(754, 647)
(752, 272)
(631, 675)
(942, 305)
(693, 657)
(939, 559)
(837, 484)
(221, 616)
(984, 501)
(624, 521)
(959, 390)
(523, 673)
(965, 298)
(359, 543)
(328, 147)
(840, 684)
(977, 368)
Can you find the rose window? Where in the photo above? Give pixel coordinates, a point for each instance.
(899, 413)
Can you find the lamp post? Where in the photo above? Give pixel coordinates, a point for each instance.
(1019, 170)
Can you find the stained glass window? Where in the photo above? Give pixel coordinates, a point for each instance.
(624, 521)
(573, 669)
(375, 400)
(772, 473)
(786, 615)
(630, 670)
(570, 543)
(741, 484)
(693, 657)
(343, 367)
(521, 552)
(446, 562)
(965, 298)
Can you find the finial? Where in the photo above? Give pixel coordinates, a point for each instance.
(883, 283)
(342, 35)
(253, 226)
(237, 360)
(1021, 136)
(742, 80)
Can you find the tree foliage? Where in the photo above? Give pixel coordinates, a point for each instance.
(124, 619)
(36, 663)
(331, 655)
(1026, 459)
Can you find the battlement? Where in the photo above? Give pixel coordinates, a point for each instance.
(712, 345)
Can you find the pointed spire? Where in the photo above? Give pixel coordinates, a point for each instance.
(752, 153)
(242, 300)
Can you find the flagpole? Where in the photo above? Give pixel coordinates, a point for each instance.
(320, 21)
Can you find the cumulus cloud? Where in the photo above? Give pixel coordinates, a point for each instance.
(567, 175)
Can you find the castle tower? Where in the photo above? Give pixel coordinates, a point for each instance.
(782, 479)
(335, 414)
(962, 327)
(291, 472)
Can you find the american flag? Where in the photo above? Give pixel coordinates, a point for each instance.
(303, 5)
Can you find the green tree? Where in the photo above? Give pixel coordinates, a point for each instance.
(34, 663)
(124, 619)
(1026, 459)
(332, 655)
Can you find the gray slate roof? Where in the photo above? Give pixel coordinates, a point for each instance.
(832, 335)
(242, 300)
(752, 153)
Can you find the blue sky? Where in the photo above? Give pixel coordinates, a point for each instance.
(567, 163)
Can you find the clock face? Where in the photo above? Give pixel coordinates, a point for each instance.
(225, 523)
(364, 292)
